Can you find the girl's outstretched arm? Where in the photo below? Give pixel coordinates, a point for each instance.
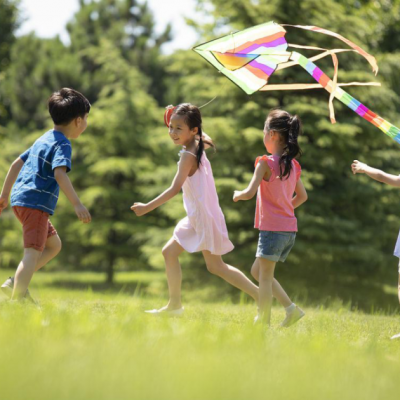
(261, 172)
(380, 176)
(184, 167)
(301, 194)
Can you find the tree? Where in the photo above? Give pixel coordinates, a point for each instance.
(8, 25)
(129, 26)
(108, 158)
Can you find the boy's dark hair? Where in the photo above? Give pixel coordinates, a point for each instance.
(289, 128)
(192, 118)
(66, 105)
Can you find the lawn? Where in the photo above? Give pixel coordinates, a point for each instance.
(88, 342)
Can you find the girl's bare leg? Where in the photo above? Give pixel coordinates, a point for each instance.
(232, 275)
(267, 268)
(171, 252)
(277, 290)
(398, 287)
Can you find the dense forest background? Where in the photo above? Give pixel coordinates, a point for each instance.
(348, 227)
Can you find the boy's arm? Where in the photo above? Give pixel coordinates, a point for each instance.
(380, 176)
(60, 173)
(261, 170)
(301, 194)
(184, 168)
(11, 177)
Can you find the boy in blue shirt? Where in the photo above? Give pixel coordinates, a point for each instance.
(38, 174)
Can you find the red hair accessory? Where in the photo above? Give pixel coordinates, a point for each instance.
(168, 113)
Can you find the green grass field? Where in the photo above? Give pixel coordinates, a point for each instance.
(87, 343)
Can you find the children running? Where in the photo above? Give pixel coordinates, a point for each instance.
(38, 174)
(392, 180)
(204, 228)
(276, 178)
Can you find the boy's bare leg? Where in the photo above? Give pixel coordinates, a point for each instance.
(232, 275)
(24, 273)
(267, 268)
(52, 248)
(277, 290)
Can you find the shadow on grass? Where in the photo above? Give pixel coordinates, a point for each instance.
(335, 291)
(328, 292)
(129, 287)
(370, 296)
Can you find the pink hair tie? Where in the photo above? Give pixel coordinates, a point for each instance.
(168, 113)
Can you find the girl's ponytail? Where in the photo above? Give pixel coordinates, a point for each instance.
(200, 147)
(289, 128)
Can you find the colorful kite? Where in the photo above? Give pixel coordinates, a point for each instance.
(249, 57)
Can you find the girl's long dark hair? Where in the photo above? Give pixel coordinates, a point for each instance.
(289, 128)
(192, 117)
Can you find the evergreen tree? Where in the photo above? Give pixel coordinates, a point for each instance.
(129, 26)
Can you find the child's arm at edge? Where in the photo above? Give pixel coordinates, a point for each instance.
(262, 170)
(374, 173)
(11, 177)
(60, 173)
(184, 167)
(301, 194)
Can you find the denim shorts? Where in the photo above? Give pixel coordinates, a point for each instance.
(275, 246)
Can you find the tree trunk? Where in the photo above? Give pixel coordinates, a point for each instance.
(111, 258)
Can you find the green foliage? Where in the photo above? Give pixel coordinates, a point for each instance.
(9, 23)
(349, 225)
(38, 68)
(129, 26)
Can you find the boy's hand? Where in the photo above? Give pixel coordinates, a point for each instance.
(140, 209)
(358, 167)
(82, 213)
(237, 195)
(3, 203)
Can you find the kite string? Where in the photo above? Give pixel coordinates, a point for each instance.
(234, 44)
(208, 102)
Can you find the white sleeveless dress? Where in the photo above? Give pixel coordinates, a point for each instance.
(204, 228)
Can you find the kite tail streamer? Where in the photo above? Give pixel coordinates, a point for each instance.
(359, 108)
(371, 59)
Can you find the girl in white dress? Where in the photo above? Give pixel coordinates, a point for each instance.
(204, 228)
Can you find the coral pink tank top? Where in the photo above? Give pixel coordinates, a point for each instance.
(274, 208)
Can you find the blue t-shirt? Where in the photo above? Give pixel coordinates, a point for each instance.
(36, 186)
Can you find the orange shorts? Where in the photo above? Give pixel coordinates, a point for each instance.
(36, 227)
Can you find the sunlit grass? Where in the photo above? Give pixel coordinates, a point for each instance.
(85, 344)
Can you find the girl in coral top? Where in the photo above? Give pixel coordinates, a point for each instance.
(279, 189)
